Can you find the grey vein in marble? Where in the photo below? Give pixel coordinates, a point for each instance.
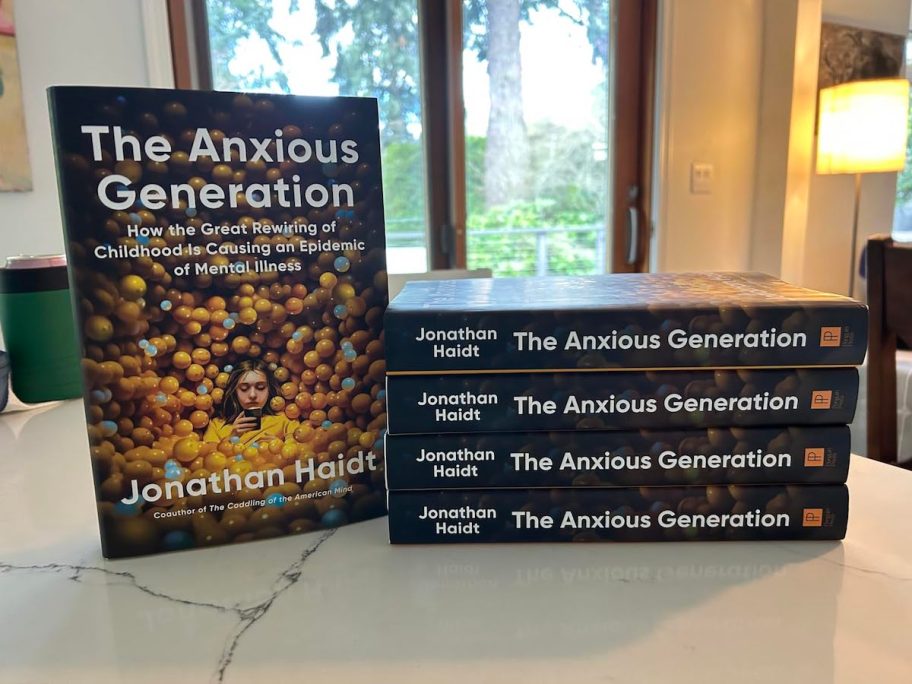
(247, 616)
(79, 570)
(250, 616)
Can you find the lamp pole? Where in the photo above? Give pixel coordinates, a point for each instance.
(854, 264)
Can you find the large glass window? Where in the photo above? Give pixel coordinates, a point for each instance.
(329, 47)
(524, 141)
(535, 85)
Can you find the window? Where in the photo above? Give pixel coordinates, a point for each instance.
(902, 213)
(508, 102)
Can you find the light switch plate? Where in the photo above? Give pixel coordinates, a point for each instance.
(702, 175)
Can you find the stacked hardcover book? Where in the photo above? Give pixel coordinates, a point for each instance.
(623, 407)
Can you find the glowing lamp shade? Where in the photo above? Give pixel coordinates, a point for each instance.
(862, 127)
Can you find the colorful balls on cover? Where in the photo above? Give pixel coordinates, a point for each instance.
(342, 264)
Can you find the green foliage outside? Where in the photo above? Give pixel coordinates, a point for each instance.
(904, 185)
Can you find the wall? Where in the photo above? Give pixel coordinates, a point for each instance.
(831, 198)
(90, 42)
(709, 109)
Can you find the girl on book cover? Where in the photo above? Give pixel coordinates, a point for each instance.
(245, 411)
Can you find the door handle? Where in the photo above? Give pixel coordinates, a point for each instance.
(633, 235)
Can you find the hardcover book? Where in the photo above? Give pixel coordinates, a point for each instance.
(227, 262)
(714, 513)
(627, 321)
(716, 456)
(535, 402)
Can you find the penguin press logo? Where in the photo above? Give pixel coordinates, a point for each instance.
(821, 399)
(812, 517)
(813, 457)
(831, 336)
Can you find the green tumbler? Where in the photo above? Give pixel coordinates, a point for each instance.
(36, 318)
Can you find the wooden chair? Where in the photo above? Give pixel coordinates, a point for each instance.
(889, 271)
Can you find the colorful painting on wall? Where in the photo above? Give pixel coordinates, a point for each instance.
(15, 172)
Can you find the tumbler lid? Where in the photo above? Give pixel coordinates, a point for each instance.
(22, 261)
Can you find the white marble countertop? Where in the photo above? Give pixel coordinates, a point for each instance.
(345, 605)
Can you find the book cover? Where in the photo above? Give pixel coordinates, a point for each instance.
(227, 264)
(642, 320)
(713, 513)
(719, 456)
(535, 402)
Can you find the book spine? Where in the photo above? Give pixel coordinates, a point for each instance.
(661, 337)
(797, 455)
(536, 402)
(713, 513)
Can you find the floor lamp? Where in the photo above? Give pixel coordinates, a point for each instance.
(862, 128)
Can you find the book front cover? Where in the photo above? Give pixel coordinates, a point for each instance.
(228, 271)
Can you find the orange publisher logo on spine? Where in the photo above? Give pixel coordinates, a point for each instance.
(821, 399)
(831, 336)
(812, 517)
(813, 457)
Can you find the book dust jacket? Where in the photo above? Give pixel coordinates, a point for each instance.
(227, 265)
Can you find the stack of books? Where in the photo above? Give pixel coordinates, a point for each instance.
(636, 407)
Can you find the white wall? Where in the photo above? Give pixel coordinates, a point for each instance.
(831, 198)
(84, 42)
(709, 109)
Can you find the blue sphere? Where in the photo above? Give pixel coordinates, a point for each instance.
(342, 264)
(127, 510)
(334, 518)
(326, 424)
(338, 488)
(228, 323)
(176, 540)
(274, 499)
(166, 305)
(108, 428)
(350, 354)
(340, 311)
(202, 389)
(143, 343)
(348, 383)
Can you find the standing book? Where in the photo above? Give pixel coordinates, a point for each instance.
(227, 263)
